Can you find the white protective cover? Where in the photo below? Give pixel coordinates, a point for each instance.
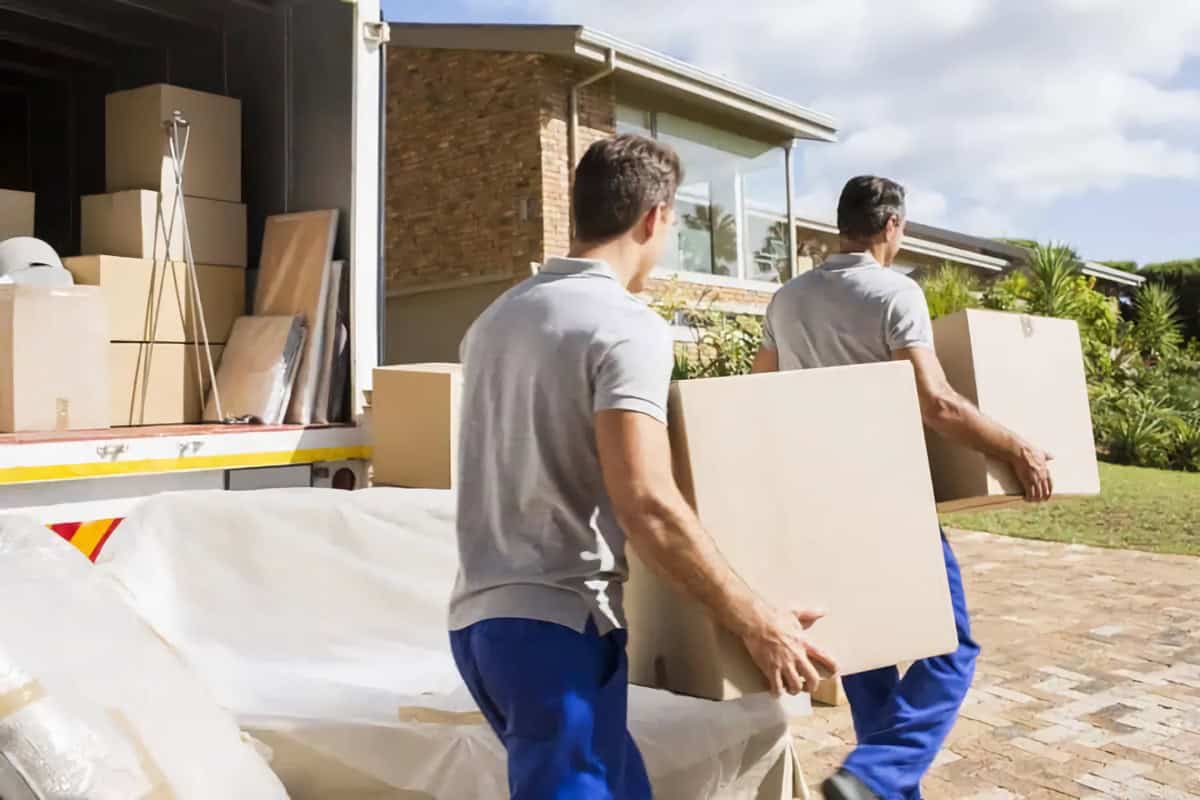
(318, 617)
(94, 705)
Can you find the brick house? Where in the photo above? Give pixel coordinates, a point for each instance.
(484, 123)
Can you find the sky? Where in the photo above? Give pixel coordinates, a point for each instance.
(1059, 120)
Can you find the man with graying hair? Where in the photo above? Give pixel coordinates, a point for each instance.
(853, 309)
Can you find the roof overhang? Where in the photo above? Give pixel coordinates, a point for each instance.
(926, 247)
(1111, 274)
(631, 62)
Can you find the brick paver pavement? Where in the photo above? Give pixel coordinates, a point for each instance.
(1088, 686)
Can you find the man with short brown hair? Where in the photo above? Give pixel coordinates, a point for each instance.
(853, 309)
(563, 456)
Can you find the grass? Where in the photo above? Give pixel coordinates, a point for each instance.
(1138, 509)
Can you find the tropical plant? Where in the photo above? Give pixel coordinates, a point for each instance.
(1157, 330)
(1184, 445)
(724, 344)
(1009, 293)
(950, 289)
(1053, 289)
(1139, 433)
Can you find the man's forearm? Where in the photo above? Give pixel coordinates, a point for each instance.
(958, 419)
(669, 536)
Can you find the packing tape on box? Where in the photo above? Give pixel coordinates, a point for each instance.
(62, 414)
(435, 716)
(1027, 325)
(24, 695)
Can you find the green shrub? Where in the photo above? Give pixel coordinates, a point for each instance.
(949, 290)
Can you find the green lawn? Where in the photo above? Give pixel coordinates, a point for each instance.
(1138, 509)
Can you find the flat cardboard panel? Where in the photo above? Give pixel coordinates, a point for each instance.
(136, 153)
(322, 413)
(1027, 373)
(130, 287)
(53, 359)
(131, 224)
(293, 279)
(815, 486)
(258, 369)
(16, 214)
(414, 425)
(157, 384)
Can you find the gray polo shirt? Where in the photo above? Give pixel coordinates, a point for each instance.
(850, 310)
(537, 538)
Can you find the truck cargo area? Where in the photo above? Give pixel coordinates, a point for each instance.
(308, 84)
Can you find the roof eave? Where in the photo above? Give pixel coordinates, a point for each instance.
(788, 120)
(791, 120)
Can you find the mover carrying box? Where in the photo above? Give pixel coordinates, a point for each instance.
(129, 224)
(414, 426)
(131, 290)
(53, 358)
(1027, 374)
(815, 485)
(135, 142)
(16, 214)
(158, 384)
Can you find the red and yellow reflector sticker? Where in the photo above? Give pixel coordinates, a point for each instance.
(88, 537)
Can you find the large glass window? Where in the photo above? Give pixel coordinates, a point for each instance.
(731, 208)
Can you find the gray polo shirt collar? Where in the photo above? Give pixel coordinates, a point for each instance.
(849, 261)
(578, 266)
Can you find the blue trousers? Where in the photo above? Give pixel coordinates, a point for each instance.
(901, 723)
(557, 699)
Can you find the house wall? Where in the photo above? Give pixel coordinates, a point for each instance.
(464, 166)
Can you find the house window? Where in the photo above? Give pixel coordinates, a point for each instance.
(732, 207)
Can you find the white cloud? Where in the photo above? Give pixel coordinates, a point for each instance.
(987, 109)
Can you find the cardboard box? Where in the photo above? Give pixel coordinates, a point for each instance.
(130, 287)
(53, 358)
(136, 150)
(414, 425)
(1026, 373)
(16, 214)
(128, 224)
(157, 384)
(815, 486)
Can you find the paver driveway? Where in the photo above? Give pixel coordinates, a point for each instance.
(1088, 686)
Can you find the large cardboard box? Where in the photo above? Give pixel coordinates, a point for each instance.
(815, 486)
(131, 224)
(157, 384)
(136, 150)
(16, 214)
(53, 358)
(131, 290)
(1026, 373)
(414, 426)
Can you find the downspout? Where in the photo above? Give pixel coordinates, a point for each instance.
(610, 67)
(789, 169)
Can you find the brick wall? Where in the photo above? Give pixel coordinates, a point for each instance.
(597, 119)
(464, 166)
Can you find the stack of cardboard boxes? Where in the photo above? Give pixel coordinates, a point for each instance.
(52, 354)
(134, 238)
(817, 485)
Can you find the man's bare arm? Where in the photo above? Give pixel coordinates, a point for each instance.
(949, 413)
(635, 455)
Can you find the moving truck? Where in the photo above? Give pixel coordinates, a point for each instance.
(309, 76)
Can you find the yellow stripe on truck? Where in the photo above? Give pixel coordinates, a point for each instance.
(108, 469)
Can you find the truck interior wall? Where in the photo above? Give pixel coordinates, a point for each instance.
(289, 63)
